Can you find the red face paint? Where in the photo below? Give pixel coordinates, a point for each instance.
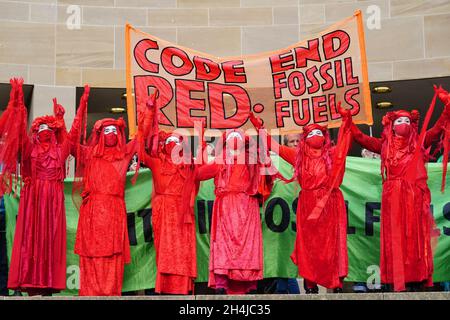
(169, 147)
(402, 130)
(45, 136)
(110, 140)
(315, 142)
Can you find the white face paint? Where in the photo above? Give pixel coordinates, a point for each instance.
(172, 139)
(315, 132)
(43, 127)
(110, 129)
(234, 135)
(402, 120)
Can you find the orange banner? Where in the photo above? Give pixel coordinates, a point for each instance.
(288, 88)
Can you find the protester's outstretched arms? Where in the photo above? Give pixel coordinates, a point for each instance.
(370, 143)
(285, 152)
(15, 144)
(443, 123)
(207, 171)
(342, 147)
(24, 137)
(76, 137)
(148, 118)
(148, 131)
(11, 105)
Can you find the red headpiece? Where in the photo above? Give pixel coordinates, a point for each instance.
(55, 122)
(52, 122)
(314, 126)
(392, 115)
(96, 140)
(119, 123)
(387, 151)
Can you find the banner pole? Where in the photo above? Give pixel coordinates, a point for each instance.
(131, 112)
(362, 47)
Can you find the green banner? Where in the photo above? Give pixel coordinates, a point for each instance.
(362, 192)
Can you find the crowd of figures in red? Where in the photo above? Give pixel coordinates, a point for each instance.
(38, 260)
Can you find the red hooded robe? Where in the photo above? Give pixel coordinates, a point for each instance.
(236, 247)
(38, 260)
(320, 250)
(406, 220)
(102, 235)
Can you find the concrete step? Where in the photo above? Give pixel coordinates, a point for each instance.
(324, 296)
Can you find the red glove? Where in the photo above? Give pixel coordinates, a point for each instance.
(442, 94)
(87, 90)
(151, 102)
(345, 113)
(58, 109)
(20, 99)
(257, 122)
(85, 96)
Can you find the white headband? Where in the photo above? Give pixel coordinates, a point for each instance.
(234, 135)
(43, 127)
(172, 139)
(110, 129)
(315, 132)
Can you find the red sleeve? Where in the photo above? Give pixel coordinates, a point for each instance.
(75, 134)
(287, 153)
(207, 171)
(149, 161)
(132, 148)
(433, 134)
(370, 143)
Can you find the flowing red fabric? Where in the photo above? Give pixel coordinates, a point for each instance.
(407, 225)
(13, 123)
(102, 234)
(340, 152)
(320, 251)
(236, 252)
(174, 235)
(78, 143)
(411, 172)
(38, 259)
(173, 220)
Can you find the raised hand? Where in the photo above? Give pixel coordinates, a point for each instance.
(345, 113)
(442, 94)
(151, 102)
(84, 99)
(19, 81)
(86, 91)
(257, 122)
(85, 96)
(58, 109)
(20, 99)
(13, 93)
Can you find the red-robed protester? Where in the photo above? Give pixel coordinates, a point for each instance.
(236, 248)
(406, 219)
(320, 251)
(102, 236)
(174, 191)
(38, 260)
